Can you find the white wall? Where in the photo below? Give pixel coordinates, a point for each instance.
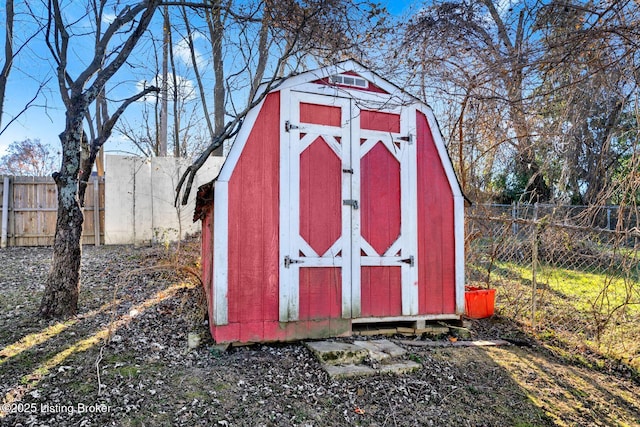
(139, 195)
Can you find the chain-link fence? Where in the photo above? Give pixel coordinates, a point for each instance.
(568, 272)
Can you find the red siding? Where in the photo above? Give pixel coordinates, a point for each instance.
(377, 120)
(320, 196)
(320, 114)
(436, 248)
(320, 293)
(380, 198)
(381, 293)
(253, 227)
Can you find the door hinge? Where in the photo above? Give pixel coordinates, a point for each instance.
(351, 202)
(288, 261)
(409, 260)
(288, 126)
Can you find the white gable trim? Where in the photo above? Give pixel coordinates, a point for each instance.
(340, 68)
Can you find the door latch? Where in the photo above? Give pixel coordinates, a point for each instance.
(351, 202)
(409, 260)
(288, 261)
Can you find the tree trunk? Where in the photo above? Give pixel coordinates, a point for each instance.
(8, 54)
(164, 92)
(527, 166)
(214, 19)
(60, 297)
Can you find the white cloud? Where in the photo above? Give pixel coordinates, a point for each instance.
(108, 18)
(186, 88)
(182, 52)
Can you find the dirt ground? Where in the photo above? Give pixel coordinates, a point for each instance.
(124, 361)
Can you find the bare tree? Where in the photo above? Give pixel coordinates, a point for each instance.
(534, 92)
(269, 41)
(29, 157)
(81, 89)
(12, 48)
(163, 126)
(196, 68)
(142, 132)
(485, 55)
(8, 54)
(590, 80)
(78, 93)
(216, 31)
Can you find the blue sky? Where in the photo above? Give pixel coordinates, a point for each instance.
(45, 120)
(397, 7)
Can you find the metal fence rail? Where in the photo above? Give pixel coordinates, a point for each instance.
(609, 217)
(570, 270)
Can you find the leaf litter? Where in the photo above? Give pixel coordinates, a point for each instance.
(125, 360)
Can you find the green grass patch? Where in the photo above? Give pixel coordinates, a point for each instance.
(585, 290)
(584, 313)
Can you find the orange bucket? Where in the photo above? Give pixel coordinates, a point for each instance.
(479, 303)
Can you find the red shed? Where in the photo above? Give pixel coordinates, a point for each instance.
(337, 205)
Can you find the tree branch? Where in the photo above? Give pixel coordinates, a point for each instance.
(232, 127)
(103, 135)
(26, 107)
(108, 71)
(127, 15)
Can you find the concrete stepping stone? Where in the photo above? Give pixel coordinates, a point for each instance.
(344, 360)
(337, 353)
(381, 349)
(399, 368)
(348, 371)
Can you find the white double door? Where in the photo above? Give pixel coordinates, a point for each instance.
(347, 211)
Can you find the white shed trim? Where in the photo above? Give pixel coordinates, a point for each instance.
(220, 253)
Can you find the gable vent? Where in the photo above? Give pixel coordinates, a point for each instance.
(346, 80)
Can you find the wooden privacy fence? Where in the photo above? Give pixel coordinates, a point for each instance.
(30, 206)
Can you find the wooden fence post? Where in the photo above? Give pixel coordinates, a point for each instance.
(5, 211)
